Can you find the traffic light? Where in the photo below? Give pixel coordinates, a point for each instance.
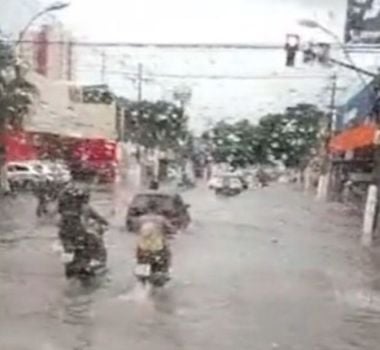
(308, 53)
(322, 53)
(291, 48)
(317, 52)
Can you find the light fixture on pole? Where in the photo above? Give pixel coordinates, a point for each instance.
(312, 24)
(309, 23)
(57, 6)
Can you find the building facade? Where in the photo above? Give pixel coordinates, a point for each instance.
(49, 51)
(57, 112)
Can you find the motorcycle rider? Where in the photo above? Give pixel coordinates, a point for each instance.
(77, 233)
(154, 230)
(76, 214)
(262, 177)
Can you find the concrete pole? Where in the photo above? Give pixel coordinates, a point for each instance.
(140, 73)
(103, 72)
(325, 177)
(370, 216)
(323, 187)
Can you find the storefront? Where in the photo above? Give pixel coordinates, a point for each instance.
(352, 155)
(86, 157)
(18, 146)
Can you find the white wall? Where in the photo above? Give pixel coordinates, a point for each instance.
(56, 113)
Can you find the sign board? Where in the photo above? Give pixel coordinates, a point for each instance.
(361, 177)
(363, 22)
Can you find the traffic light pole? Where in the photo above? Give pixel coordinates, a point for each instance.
(325, 176)
(354, 68)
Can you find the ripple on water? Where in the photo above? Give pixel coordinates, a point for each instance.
(361, 320)
(361, 299)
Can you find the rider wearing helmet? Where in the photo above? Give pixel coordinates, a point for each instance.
(76, 214)
(153, 230)
(71, 226)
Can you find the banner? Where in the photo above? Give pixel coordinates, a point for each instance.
(363, 22)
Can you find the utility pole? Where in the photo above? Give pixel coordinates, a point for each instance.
(103, 67)
(332, 107)
(371, 222)
(327, 127)
(139, 81)
(70, 58)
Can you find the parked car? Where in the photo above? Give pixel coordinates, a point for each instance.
(231, 185)
(220, 181)
(58, 170)
(169, 205)
(25, 175)
(215, 182)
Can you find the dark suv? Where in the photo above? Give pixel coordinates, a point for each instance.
(168, 205)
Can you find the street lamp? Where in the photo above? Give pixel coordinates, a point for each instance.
(57, 6)
(309, 23)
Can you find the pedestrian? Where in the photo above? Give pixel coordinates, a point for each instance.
(41, 191)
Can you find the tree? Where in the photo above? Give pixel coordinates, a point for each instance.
(291, 136)
(233, 143)
(16, 97)
(158, 124)
(286, 137)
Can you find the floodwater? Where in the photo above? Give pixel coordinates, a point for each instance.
(270, 269)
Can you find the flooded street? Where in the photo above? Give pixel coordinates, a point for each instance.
(270, 269)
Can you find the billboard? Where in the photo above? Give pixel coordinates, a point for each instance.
(363, 22)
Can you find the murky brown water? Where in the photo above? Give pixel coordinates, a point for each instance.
(266, 270)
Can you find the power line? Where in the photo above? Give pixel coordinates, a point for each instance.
(259, 46)
(158, 45)
(134, 75)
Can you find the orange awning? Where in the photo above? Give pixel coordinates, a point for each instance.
(351, 139)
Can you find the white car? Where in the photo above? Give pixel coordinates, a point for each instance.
(59, 171)
(231, 180)
(25, 174)
(215, 182)
(235, 183)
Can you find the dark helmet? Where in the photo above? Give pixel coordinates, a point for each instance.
(154, 185)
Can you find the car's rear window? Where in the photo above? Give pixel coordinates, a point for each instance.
(163, 202)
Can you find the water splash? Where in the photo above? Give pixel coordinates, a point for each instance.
(141, 293)
(362, 298)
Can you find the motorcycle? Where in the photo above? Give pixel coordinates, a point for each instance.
(87, 259)
(152, 268)
(186, 184)
(82, 268)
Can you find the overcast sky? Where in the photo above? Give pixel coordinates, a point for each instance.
(223, 21)
(199, 20)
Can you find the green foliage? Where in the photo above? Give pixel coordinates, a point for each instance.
(234, 143)
(16, 94)
(287, 138)
(6, 55)
(155, 124)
